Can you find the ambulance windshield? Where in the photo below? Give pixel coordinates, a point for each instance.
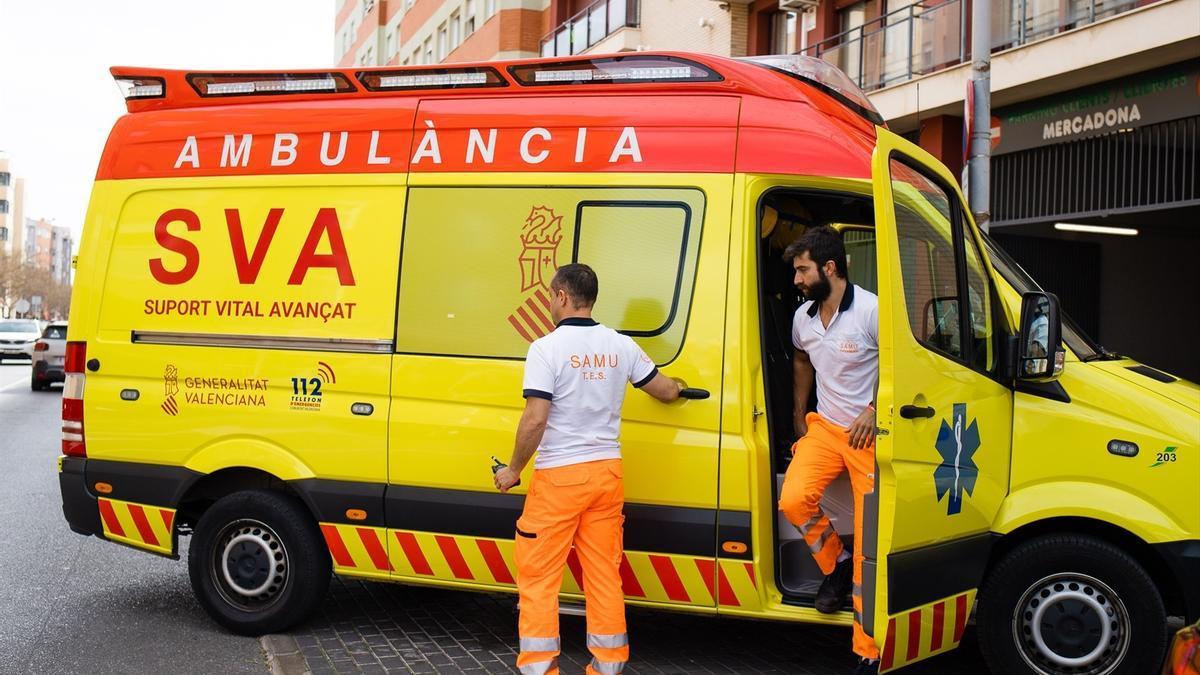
(823, 76)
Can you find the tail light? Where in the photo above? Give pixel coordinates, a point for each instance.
(40, 346)
(72, 402)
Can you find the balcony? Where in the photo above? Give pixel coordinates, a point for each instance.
(921, 39)
(587, 28)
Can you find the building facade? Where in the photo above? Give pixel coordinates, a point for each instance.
(1095, 125)
(1095, 142)
(12, 211)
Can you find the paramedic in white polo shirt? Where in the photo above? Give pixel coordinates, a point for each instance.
(836, 337)
(575, 382)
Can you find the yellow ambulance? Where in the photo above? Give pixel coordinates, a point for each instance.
(303, 300)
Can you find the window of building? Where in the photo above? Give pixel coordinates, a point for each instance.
(369, 56)
(3, 206)
(5, 178)
(643, 244)
(3, 234)
(442, 39)
(489, 8)
(391, 45)
(429, 50)
(455, 30)
(469, 24)
(783, 33)
(367, 6)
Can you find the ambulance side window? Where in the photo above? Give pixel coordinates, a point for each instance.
(476, 264)
(947, 313)
(640, 253)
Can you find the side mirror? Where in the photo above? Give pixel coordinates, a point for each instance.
(1040, 355)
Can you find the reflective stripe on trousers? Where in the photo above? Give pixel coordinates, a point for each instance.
(543, 644)
(540, 667)
(609, 641)
(606, 667)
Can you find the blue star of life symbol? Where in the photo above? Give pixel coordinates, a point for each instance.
(957, 443)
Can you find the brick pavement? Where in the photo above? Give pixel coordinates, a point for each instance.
(378, 628)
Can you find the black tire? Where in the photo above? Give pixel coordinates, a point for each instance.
(37, 385)
(277, 549)
(1077, 581)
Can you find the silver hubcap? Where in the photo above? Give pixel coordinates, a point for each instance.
(250, 565)
(1071, 623)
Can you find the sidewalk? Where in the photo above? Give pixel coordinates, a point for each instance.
(388, 628)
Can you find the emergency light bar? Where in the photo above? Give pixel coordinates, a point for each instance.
(142, 87)
(250, 84)
(617, 69)
(824, 76)
(434, 78)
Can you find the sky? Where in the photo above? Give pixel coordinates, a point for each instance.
(58, 100)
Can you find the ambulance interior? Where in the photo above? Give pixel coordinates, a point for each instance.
(784, 215)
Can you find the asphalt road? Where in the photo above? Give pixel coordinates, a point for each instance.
(73, 604)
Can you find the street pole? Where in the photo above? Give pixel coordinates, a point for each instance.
(979, 160)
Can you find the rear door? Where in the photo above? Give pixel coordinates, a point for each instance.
(945, 418)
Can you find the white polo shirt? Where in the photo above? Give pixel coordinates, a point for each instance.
(845, 355)
(581, 367)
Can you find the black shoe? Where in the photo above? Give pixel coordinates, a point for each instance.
(831, 596)
(867, 667)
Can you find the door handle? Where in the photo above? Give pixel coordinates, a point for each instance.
(693, 393)
(912, 412)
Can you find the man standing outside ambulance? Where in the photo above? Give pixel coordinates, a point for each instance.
(574, 386)
(836, 337)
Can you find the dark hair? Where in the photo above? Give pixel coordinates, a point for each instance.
(822, 244)
(579, 281)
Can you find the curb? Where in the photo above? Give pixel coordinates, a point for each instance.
(283, 655)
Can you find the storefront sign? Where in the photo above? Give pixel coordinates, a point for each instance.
(1145, 98)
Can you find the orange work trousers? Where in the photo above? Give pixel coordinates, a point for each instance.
(818, 458)
(577, 505)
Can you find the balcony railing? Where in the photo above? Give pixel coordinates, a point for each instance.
(923, 38)
(582, 31)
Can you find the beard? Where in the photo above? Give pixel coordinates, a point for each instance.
(820, 290)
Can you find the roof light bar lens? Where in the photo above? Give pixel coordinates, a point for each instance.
(438, 78)
(658, 74)
(610, 70)
(825, 76)
(141, 87)
(269, 84)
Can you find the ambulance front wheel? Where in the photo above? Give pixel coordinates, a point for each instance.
(1074, 604)
(257, 562)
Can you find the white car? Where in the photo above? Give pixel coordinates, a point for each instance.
(17, 337)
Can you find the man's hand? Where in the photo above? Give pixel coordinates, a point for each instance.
(862, 429)
(505, 479)
(800, 423)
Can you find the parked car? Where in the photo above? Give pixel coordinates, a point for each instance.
(17, 337)
(49, 353)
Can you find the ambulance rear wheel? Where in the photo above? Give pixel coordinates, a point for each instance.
(1070, 604)
(257, 562)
